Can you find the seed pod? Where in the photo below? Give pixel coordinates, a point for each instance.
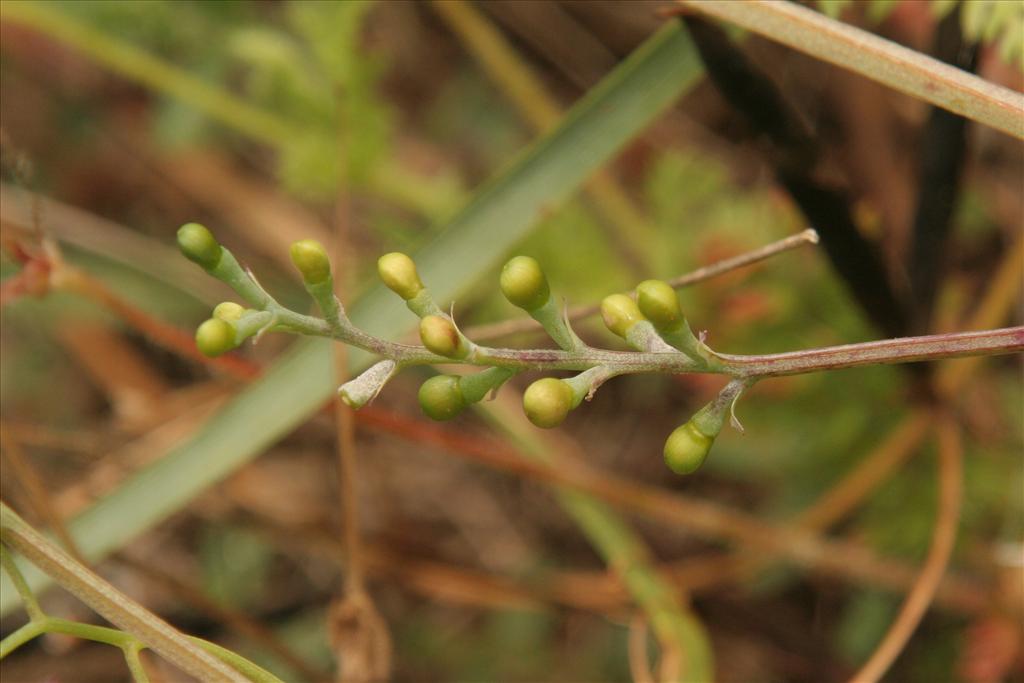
(620, 313)
(228, 311)
(658, 302)
(399, 273)
(311, 260)
(214, 337)
(686, 448)
(440, 336)
(441, 398)
(523, 283)
(199, 245)
(547, 402)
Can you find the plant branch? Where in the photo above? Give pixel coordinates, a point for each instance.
(106, 600)
(889, 351)
(876, 58)
(35, 612)
(885, 352)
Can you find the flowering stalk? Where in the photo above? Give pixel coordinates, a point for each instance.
(654, 325)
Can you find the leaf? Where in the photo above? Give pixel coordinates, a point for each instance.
(495, 219)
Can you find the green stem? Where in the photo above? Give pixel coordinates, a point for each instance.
(230, 272)
(134, 663)
(99, 634)
(323, 294)
(35, 612)
(23, 635)
(552, 318)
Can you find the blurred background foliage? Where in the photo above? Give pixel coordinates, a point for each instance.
(380, 104)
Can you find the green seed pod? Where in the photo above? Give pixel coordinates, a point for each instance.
(440, 336)
(523, 283)
(399, 273)
(199, 245)
(659, 304)
(311, 260)
(214, 337)
(441, 398)
(228, 311)
(686, 448)
(547, 401)
(620, 313)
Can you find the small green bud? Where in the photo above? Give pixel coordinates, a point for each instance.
(228, 311)
(440, 336)
(658, 302)
(620, 313)
(686, 448)
(214, 337)
(399, 273)
(441, 398)
(310, 258)
(547, 401)
(199, 245)
(523, 283)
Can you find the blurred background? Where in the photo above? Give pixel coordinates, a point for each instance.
(370, 125)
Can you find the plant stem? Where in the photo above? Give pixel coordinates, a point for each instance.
(134, 662)
(35, 612)
(23, 635)
(876, 58)
(113, 605)
(889, 351)
(886, 352)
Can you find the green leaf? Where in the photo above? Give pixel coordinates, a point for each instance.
(475, 241)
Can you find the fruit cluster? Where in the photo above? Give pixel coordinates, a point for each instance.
(651, 323)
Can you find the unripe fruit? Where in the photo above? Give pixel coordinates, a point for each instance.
(311, 260)
(215, 337)
(547, 401)
(620, 313)
(439, 335)
(686, 448)
(441, 398)
(658, 302)
(399, 273)
(523, 283)
(199, 245)
(228, 311)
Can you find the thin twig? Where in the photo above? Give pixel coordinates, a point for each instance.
(876, 58)
(914, 607)
(508, 327)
